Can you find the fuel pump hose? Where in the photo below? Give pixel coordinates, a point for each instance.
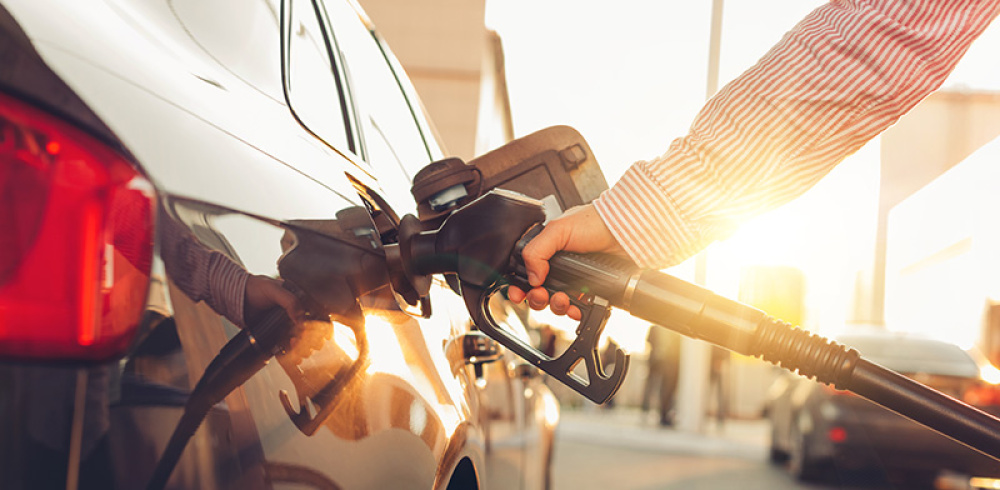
(699, 313)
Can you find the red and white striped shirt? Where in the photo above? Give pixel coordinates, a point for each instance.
(845, 73)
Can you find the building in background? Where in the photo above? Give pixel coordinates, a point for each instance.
(457, 66)
(935, 136)
(942, 269)
(926, 267)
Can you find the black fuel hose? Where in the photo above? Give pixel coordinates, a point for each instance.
(242, 357)
(696, 312)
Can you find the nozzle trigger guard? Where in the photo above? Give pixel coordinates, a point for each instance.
(599, 386)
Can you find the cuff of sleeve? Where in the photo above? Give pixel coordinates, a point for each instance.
(227, 284)
(646, 221)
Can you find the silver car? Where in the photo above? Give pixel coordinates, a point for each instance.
(183, 178)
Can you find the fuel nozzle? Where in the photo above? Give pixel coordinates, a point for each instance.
(476, 242)
(479, 243)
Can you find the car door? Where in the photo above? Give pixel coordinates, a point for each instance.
(396, 144)
(411, 393)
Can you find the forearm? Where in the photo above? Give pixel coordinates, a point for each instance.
(203, 274)
(834, 82)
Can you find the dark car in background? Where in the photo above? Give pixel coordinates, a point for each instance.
(818, 430)
(171, 174)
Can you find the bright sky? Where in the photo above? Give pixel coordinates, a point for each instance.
(630, 75)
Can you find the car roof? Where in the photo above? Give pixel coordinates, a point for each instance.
(911, 354)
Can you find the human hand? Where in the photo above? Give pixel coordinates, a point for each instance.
(581, 230)
(263, 292)
(308, 335)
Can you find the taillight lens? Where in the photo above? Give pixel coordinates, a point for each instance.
(837, 435)
(76, 241)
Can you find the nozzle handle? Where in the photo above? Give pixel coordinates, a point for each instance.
(578, 275)
(597, 385)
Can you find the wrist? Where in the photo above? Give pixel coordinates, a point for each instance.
(645, 222)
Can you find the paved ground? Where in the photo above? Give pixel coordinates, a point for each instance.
(604, 449)
(616, 449)
(744, 439)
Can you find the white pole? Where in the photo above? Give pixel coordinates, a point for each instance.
(692, 392)
(714, 43)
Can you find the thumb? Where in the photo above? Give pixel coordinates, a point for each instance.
(263, 292)
(539, 250)
(286, 299)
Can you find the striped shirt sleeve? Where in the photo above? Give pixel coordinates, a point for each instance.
(845, 73)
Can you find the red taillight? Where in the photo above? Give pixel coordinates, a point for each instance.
(76, 241)
(837, 435)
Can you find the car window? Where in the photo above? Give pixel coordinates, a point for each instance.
(312, 87)
(392, 138)
(410, 92)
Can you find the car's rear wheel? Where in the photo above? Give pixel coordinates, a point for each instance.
(464, 477)
(775, 454)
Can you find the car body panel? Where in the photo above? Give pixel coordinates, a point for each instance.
(242, 156)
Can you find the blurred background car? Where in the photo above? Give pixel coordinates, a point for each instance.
(163, 165)
(817, 429)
